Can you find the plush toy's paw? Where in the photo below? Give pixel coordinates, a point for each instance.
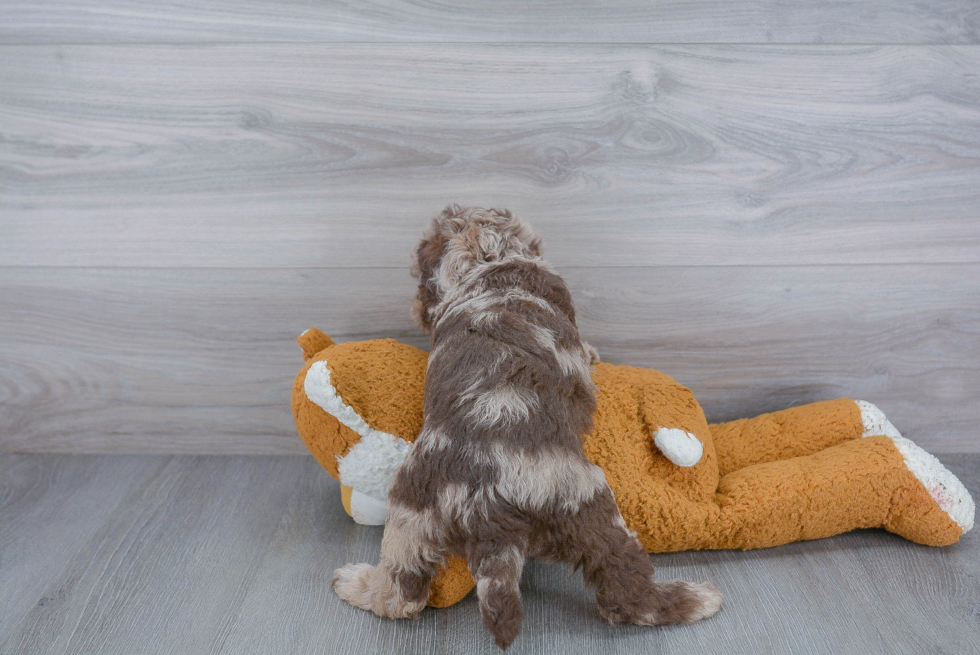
(364, 509)
(944, 487)
(680, 447)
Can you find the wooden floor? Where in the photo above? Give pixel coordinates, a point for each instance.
(208, 554)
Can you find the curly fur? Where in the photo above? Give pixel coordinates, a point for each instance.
(498, 473)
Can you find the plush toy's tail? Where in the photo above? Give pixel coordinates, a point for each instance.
(313, 341)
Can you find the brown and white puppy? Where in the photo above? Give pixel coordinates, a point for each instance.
(498, 473)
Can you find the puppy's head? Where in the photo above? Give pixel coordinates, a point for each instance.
(458, 240)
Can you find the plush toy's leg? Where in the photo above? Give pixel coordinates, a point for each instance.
(788, 433)
(398, 587)
(944, 487)
(614, 563)
(862, 483)
(451, 583)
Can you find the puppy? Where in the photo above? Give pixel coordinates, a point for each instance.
(497, 473)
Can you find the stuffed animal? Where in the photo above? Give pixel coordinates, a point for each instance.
(801, 473)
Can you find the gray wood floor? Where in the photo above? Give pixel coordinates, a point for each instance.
(205, 554)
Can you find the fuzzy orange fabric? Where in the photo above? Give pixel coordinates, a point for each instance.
(452, 584)
(801, 473)
(381, 379)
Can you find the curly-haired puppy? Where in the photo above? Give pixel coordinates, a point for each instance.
(498, 473)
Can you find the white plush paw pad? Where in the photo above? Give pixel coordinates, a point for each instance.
(367, 510)
(875, 422)
(680, 447)
(944, 487)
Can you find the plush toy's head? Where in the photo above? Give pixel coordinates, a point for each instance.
(358, 407)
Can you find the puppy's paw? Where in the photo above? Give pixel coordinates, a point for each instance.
(683, 602)
(708, 601)
(370, 588)
(667, 603)
(351, 584)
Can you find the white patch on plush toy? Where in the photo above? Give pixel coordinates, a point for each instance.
(367, 510)
(680, 447)
(875, 422)
(370, 463)
(944, 487)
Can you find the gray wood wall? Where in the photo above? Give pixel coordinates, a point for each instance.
(776, 203)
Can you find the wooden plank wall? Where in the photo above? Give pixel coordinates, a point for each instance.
(774, 203)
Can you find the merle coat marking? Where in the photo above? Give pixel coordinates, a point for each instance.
(498, 473)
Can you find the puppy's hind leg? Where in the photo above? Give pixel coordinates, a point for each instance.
(496, 568)
(615, 564)
(398, 587)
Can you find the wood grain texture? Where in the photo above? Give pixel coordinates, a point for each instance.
(170, 566)
(202, 360)
(616, 21)
(234, 555)
(50, 507)
(335, 155)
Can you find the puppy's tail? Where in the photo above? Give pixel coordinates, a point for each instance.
(498, 576)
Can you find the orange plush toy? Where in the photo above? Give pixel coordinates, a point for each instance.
(801, 473)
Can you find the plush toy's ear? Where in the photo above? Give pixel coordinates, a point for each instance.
(313, 341)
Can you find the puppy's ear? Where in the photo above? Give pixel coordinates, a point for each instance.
(427, 257)
(424, 301)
